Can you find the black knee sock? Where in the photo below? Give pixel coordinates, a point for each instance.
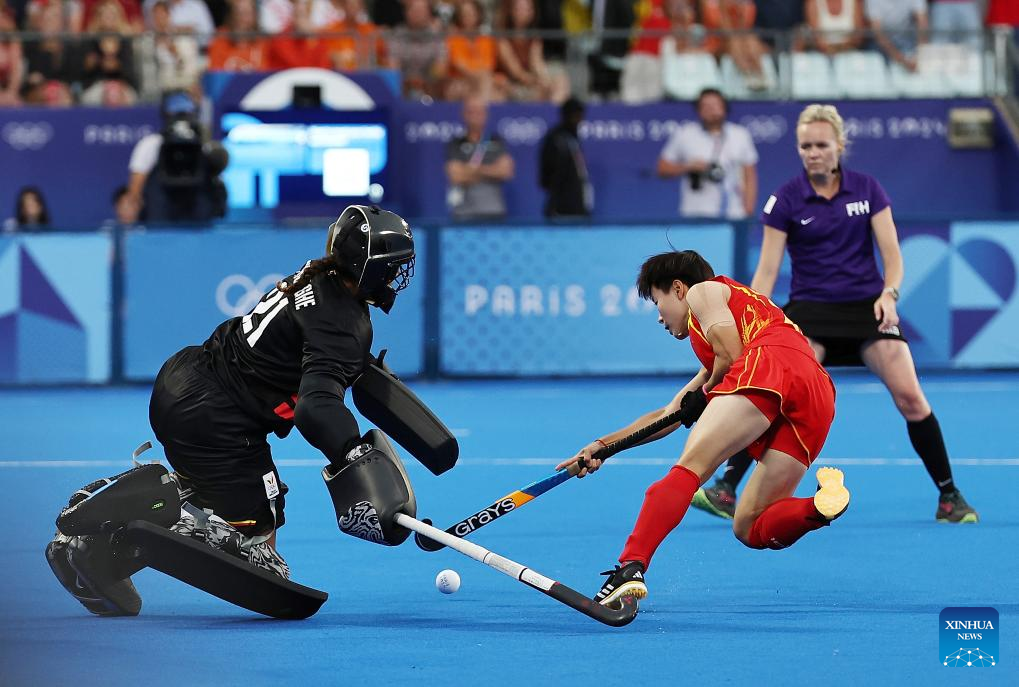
(925, 435)
(736, 468)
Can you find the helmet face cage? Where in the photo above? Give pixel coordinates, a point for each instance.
(377, 248)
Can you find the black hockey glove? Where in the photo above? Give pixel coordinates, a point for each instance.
(692, 405)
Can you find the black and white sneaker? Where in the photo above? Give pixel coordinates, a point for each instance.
(624, 580)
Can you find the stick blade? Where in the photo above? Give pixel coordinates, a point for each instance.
(221, 574)
(593, 609)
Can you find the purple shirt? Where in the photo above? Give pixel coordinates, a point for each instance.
(831, 243)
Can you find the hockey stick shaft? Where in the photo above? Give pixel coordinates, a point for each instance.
(515, 499)
(532, 578)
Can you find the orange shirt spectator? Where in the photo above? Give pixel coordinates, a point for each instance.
(469, 51)
(231, 50)
(361, 45)
(300, 45)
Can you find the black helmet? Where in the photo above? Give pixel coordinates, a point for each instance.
(375, 248)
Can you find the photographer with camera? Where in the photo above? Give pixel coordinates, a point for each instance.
(717, 161)
(175, 173)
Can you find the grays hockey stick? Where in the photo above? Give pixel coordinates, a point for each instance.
(532, 578)
(515, 499)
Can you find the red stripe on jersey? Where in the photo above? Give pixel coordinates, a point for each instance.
(286, 409)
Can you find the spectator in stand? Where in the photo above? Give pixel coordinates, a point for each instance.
(360, 46)
(835, 25)
(418, 50)
(53, 64)
(234, 49)
(174, 56)
(472, 57)
(734, 22)
(521, 56)
(779, 20)
(550, 19)
(957, 21)
(477, 165)
(30, 213)
(899, 26)
(11, 62)
(189, 17)
(299, 45)
(1003, 13)
(70, 11)
(108, 57)
(131, 8)
(612, 21)
(674, 20)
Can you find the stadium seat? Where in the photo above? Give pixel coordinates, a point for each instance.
(686, 74)
(862, 74)
(812, 76)
(924, 83)
(641, 81)
(735, 84)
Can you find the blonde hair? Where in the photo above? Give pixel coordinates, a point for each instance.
(825, 113)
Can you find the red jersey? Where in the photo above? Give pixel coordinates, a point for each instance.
(758, 321)
(777, 372)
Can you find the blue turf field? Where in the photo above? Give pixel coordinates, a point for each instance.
(857, 603)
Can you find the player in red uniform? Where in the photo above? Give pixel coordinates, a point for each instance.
(760, 389)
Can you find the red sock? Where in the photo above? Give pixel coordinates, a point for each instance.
(665, 504)
(784, 522)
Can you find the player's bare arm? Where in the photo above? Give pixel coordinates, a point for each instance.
(586, 454)
(709, 303)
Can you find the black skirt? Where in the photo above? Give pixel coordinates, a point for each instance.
(842, 328)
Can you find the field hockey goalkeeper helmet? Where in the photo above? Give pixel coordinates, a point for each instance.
(375, 248)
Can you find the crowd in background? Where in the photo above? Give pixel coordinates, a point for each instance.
(116, 52)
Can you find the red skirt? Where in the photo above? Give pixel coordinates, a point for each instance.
(794, 393)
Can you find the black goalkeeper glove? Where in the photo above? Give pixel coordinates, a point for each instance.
(692, 405)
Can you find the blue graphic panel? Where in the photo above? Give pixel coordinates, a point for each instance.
(180, 285)
(561, 300)
(55, 308)
(968, 637)
(984, 301)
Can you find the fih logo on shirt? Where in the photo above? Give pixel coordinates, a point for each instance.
(969, 637)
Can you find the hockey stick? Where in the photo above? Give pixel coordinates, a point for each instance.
(532, 578)
(515, 499)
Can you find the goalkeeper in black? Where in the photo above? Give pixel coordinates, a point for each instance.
(288, 362)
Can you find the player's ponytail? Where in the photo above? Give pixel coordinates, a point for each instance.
(312, 269)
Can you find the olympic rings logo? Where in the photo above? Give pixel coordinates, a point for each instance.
(237, 294)
(766, 128)
(522, 130)
(27, 135)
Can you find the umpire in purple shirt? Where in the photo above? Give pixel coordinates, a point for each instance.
(830, 218)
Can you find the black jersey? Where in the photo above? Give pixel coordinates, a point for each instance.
(321, 330)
